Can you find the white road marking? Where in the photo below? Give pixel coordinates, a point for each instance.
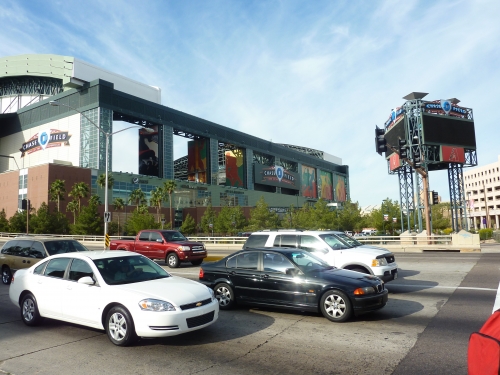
(496, 306)
(442, 287)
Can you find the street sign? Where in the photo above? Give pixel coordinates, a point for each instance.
(394, 220)
(107, 217)
(386, 217)
(163, 220)
(210, 225)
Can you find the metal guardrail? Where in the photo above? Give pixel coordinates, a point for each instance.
(407, 240)
(368, 240)
(94, 238)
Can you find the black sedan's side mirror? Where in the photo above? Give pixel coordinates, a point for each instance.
(292, 271)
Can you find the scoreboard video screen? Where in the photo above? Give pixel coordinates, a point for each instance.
(447, 130)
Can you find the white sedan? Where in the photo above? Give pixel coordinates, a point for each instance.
(124, 293)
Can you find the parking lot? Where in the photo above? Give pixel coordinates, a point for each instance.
(434, 305)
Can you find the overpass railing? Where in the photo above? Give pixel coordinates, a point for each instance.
(368, 240)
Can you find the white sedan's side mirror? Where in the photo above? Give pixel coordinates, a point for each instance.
(86, 280)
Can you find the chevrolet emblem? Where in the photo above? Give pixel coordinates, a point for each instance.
(198, 304)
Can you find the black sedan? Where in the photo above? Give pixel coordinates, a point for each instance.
(295, 279)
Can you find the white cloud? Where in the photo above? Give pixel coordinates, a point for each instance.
(319, 75)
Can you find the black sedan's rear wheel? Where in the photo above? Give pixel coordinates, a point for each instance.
(29, 310)
(120, 326)
(336, 306)
(225, 295)
(6, 275)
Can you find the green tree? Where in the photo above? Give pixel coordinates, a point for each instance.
(208, 218)
(262, 218)
(73, 207)
(304, 218)
(42, 222)
(17, 222)
(57, 191)
(88, 221)
(94, 199)
(138, 221)
(118, 205)
(79, 191)
(4, 223)
(137, 197)
(321, 215)
(350, 217)
(169, 188)
(391, 209)
(439, 221)
(101, 181)
(157, 198)
(188, 226)
(230, 220)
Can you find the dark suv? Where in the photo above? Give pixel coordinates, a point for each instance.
(23, 252)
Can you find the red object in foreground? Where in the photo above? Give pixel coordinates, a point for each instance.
(483, 357)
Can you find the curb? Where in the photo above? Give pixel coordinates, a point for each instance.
(212, 258)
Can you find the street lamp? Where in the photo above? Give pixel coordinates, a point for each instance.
(107, 216)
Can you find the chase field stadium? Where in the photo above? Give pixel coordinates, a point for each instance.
(40, 143)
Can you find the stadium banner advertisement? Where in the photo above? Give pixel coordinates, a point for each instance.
(45, 139)
(275, 175)
(452, 154)
(394, 162)
(446, 107)
(235, 170)
(396, 115)
(308, 179)
(57, 140)
(340, 188)
(197, 160)
(325, 185)
(148, 152)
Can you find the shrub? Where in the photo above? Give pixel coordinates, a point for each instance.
(485, 234)
(447, 231)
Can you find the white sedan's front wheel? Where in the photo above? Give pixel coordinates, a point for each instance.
(120, 326)
(29, 310)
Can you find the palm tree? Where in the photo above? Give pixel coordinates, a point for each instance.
(73, 207)
(95, 200)
(137, 197)
(157, 198)
(101, 181)
(80, 190)
(118, 204)
(57, 191)
(169, 188)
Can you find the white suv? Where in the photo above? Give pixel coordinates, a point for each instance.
(336, 248)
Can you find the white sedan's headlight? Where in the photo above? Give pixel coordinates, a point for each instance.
(155, 305)
(211, 293)
(379, 262)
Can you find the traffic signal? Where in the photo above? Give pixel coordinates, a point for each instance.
(380, 141)
(435, 198)
(417, 162)
(25, 204)
(403, 150)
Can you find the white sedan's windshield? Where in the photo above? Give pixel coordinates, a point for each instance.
(132, 269)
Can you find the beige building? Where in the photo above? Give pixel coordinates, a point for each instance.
(482, 191)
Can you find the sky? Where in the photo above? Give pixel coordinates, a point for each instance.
(319, 74)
